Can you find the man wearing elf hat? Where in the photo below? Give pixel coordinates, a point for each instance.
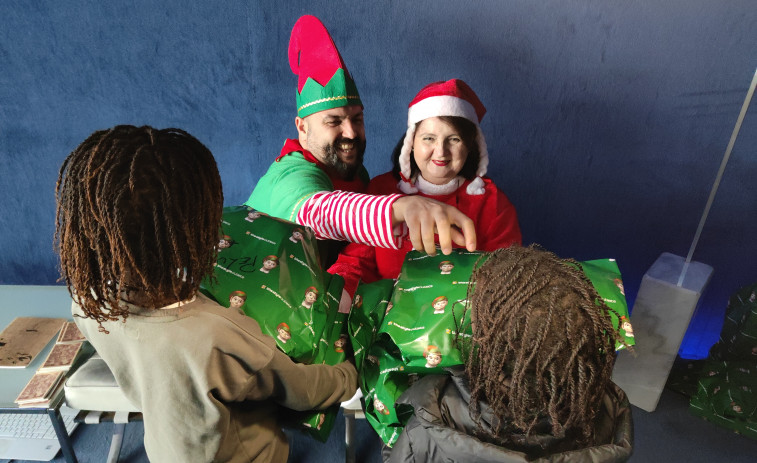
(318, 180)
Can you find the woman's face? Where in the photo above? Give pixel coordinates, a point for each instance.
(438, 150)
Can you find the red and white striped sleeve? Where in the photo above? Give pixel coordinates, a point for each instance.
(355, 217)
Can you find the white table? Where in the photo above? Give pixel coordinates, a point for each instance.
(34, 301)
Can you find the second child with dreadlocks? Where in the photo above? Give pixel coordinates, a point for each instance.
(138, 219)
(536, 385)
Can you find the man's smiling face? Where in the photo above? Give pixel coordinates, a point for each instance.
(336, 137)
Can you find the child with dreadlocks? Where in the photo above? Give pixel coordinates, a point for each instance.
(138, 219)
(536, 385)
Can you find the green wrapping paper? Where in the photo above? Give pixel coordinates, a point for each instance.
(270, 269)
(728, 377)
(402, 331)
(604, 274)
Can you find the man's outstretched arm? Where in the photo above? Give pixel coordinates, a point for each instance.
(373, 220)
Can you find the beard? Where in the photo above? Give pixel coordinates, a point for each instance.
(345, 171)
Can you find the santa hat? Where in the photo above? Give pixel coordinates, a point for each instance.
(323, 80)
(451, 98)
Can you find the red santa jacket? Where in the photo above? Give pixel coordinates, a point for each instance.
(493, 214)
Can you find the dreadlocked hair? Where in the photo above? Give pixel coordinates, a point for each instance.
(138, 210)
(543, 346)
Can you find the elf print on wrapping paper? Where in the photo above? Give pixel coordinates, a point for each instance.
(311, 295)
(619, 283)
(296, 236)
(446, 267)
(433, 356)
(285, 334)
(388, 308)
(736, 407)
(379, 406)
(269, 263)
(225, 242)
(439, 304)
(626, 326)
(252, 215)
(340, 343)
(237, 299)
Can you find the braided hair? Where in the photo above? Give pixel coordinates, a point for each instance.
(543, 346)
(138, 212)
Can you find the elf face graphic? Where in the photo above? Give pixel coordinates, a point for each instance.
(340, 343)
(388, 308)
(619, 283)
(439, 304)
(311, 295)
(626, 325)
(296, 236)
(269, 263)
(224, 242)
(736, 407)
(433, 356)
(446, 267)
(380, 407)
(284, 332)
(237, 299)
(252, 215)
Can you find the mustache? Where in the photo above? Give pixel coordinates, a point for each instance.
(356, 141)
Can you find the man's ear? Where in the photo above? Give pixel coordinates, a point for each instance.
(302, 130)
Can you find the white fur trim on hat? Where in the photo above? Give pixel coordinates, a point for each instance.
(443, 105)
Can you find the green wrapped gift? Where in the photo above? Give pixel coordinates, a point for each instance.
(404, 330)
(270, 269)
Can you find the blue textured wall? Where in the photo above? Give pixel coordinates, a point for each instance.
(607, 119)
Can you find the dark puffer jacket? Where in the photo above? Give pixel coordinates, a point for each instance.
(442, 430)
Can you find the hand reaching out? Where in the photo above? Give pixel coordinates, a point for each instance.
(426, 217)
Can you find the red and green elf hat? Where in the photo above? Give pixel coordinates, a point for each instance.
(323, 80)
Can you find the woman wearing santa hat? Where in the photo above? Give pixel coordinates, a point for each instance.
(442, 156)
